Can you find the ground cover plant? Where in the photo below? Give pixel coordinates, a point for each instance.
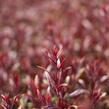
(54, 54)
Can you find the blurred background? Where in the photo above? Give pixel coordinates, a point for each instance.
(82, 24)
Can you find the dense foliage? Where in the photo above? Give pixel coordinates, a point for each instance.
(54, 54)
